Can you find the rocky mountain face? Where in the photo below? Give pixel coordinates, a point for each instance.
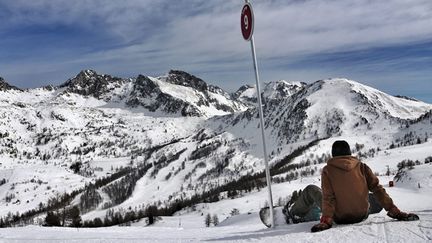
(177, 93)
(4, 86)
(185, 79)
(181, 93)
(175, 140)
(89, 83)
(272, 92)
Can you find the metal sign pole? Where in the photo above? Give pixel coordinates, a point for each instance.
(247, 26)
(261, 114)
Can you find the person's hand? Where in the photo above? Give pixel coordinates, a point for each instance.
(395, 213)
(325, 224)
(320, 227)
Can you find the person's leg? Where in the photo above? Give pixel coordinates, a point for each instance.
(374, 206)
(308, 206)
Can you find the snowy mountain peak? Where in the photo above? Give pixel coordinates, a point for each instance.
(4, 85)
(181, 93)
(325, 108)
(360, 94)
(282, 89)
(242, 89)
(88, 73)
(90, 83)
(185, 79)
(272, 91)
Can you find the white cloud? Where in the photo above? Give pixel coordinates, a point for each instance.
(288, 30)
(205, 35)
(282, 28)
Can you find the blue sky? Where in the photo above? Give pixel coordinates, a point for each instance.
(384, 44)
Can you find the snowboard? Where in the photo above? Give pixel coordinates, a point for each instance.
(279, 217)
(284, 217)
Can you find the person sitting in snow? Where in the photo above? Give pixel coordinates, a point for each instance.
(345, 197)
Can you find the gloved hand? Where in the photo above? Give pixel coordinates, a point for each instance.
(395, 213)
(325, 223)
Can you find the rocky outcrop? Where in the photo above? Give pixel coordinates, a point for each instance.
(89, 83)
(5, 86)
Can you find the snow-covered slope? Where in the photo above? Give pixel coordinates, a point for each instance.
(333, 107)
(188, 225)
(173, 141)
(244, 228)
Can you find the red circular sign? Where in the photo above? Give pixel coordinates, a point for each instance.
(247, 21)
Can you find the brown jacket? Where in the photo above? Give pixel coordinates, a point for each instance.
(346, 182)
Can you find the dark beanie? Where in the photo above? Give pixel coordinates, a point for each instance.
(340, 148)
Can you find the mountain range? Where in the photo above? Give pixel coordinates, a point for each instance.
(108, 144)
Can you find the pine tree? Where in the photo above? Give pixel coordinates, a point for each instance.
(215, 220)
(234, 212)
(97, 222)
(63, 216)
(151, 212)
(74, 214)
(52, 219)
(207, 220)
